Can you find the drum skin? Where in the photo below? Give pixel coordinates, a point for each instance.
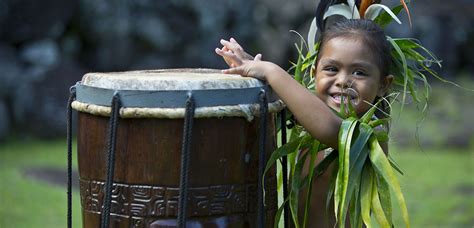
(223, 171)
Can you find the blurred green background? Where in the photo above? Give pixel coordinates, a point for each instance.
(46, 46)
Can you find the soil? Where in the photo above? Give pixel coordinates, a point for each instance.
(52, 176)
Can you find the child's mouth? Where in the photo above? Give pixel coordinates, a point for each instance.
(338, 98)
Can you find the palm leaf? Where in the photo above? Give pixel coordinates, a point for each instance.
(399, 52)
(312, 37)
(358, 155)
(290, 147)
(313, 152)
(384, 18)
(374, 10)
(342, 10)
(384, 196)
(377, 208)
(384, 169)
(366, 194)
(345, 137)
(279, 213)
(297, 182)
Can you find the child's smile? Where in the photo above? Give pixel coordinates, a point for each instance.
(347, 70)
(345, 95)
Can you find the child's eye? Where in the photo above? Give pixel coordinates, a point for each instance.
(330, 69)
(359, 73)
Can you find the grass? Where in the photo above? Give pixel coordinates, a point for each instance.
(26, 202)
(438, 186)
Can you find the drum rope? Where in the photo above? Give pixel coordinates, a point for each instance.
(261, 160)
(185, 153)
(284, 168)
(112, 135)
(72, 97)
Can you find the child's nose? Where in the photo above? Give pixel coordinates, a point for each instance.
(343, 80)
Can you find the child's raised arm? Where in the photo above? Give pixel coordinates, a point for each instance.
(310, 111)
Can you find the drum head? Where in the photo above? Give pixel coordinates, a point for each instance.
(169, 79)
(163, 93)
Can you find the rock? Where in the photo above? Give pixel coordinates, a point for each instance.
(31, 19)
(43, 52)
(40, 107)
(10, 68)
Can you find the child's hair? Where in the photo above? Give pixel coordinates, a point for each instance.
(374, 37)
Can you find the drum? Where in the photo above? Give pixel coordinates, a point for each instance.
(223, 154)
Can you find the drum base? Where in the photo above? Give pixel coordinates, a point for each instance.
(222, 173)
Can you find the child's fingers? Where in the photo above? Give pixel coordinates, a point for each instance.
(233, 46)
(258, 57)
(228, 55)
(234, 41)
(234, 70)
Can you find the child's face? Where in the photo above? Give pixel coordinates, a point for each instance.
(346, 68)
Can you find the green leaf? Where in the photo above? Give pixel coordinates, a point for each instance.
(350, 107)
(382, 135)
(365, 131)
(284, 150)
(379, 122)
(298, 68)
(354, 210)
(370, 113)
(384, 196)
(377, 208)
(384, 169)
(384, 18)
(289, 148)
(373, 11)
(345, 138)
(279, 213)
(394, 165)
(355, 171)
(313, 152)
(405, 67)
(324, 164)
(366, 194)
(297, 182)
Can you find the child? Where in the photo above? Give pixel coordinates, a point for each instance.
(353, 62)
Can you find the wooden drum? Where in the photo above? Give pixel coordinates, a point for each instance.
(223, 162)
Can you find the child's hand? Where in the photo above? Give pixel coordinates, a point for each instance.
(234, 54)
(253, 68)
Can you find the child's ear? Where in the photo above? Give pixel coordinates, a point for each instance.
(385, 85)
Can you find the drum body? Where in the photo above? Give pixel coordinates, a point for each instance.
(223, 171)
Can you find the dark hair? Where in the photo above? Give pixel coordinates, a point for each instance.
(370, 33)
(373, 36)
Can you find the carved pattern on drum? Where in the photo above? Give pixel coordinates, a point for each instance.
(141, 201)
(141, 196)
(137, 222)
(119, 203)
(159, 202)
